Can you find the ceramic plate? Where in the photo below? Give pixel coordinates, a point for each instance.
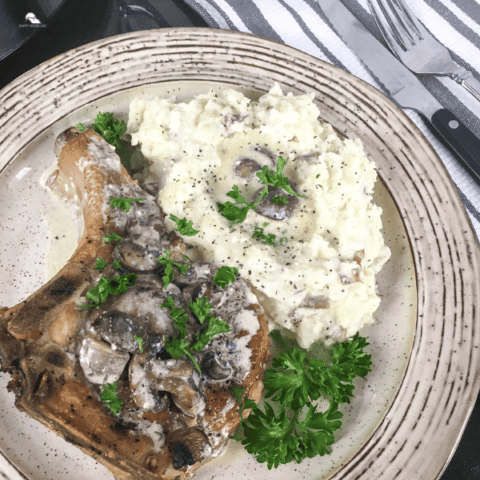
(410, 411)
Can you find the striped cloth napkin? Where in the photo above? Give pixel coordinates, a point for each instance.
(301, 24)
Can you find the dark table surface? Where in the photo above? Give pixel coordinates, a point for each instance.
(75, 23)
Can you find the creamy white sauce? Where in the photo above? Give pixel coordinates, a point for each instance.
(65, 223)
(102, 154)
(334, 245)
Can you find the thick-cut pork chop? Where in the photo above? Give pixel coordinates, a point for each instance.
(173, 418)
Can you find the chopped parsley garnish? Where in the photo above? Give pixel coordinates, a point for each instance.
(112, 237)
(184, 227)
(297, 430)
(178, 347)
(140, 342)
(168, 272)
(269, 239)
(179, 317)
(100, 264)
(109, 397)
(214, 327)
(81, 127)
(108, 286)
(234, 213)
(280, 199)
(224, 276)
(124, 203)
(201, 308)
(276, 179)
(117, 264)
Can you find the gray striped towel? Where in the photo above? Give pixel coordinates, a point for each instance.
(301, 24)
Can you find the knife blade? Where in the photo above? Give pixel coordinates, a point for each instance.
(402, 85)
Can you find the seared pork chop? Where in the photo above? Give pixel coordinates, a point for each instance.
(174, 414)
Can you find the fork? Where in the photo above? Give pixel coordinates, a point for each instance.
(415, 46)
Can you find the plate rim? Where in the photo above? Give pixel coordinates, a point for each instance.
(393, 108)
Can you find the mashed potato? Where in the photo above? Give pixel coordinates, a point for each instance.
(316, 273)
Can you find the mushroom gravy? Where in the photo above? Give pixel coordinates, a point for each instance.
(318, 278)
(150, 381)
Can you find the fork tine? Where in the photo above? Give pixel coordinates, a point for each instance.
(387, 28)
(409, 19)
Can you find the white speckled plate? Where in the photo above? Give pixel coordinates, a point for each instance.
(409, 413)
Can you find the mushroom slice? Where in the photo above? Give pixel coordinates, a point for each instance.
(174, 377)
(214, 369)
(177, 378)
(266, 152)
(144, 303)
(276, 211)
(246, 167)
(189, 445)
(120, 329)
(311, 158)
(144, 392)
(318, 302)
(196, 272)
(135, 256)
(100, 363)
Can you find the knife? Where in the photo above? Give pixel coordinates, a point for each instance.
(402, 85)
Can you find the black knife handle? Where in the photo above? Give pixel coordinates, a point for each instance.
(461, 139)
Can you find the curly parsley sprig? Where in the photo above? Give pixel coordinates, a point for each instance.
(113, 131)
(109, 128)
(297, 430)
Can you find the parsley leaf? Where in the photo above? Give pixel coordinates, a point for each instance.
(124, 203)
(168, 272)
(109, 128)
(112, 237)
(178, 347)
(100, 264)
(235, 214)
(296, 430)
(117, 264)
(269, 177)
(214, 327)
(224, 276)
(81, 127)
(109, 397)
(184, 227)
(201, 307)
(108, 286)
(179, 317)
(270, 239)
(294, 379)
(280, 199)
(140, 342)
